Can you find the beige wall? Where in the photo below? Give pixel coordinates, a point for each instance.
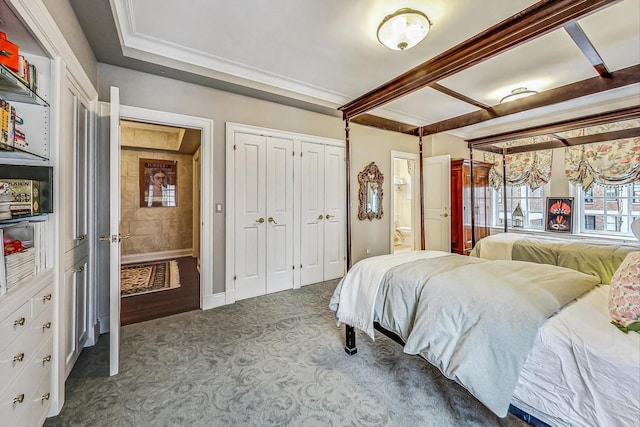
(155, 229)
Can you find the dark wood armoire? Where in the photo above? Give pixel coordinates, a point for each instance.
(461, 206)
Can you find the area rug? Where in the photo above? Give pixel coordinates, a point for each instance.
(138, 279)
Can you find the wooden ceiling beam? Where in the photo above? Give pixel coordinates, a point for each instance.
(579, 140)
(385, 124)
(588, 50)
(561, 126)
(458, 96)
(535, 21)
(620, 78)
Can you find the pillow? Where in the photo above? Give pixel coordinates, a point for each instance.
(624, 294)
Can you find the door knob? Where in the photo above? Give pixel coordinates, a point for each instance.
(329, 216)
(445, 215)
(320, 217)
(125, 237)
(260, 220)
(105, 238)
(270, 219)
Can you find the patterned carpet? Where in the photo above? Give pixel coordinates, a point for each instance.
(137, 279)
(276, 360)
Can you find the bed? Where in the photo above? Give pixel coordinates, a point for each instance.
(573, 369)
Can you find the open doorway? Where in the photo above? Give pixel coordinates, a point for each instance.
(404, 218)
(160, 205)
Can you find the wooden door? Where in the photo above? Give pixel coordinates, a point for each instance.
(250, 218)
(279, 213)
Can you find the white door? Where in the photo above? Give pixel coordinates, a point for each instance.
(114, 231)
(437, 203)
(335, 212)
(312, 212)
(250, 218)
(279, 212)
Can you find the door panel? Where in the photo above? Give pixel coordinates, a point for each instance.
(313, 222)
(250, 216)
(114, 230)
(335, 212)
(279, 212)
(436, 203)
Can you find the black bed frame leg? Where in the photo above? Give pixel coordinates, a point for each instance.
(350, 340)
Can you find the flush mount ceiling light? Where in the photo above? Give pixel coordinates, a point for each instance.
(403, 29)
(521, 92)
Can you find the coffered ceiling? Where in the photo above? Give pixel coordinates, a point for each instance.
(320, 55)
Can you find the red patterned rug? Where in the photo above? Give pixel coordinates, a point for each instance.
(137, 279)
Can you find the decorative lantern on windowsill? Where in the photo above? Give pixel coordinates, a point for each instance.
(517, 217)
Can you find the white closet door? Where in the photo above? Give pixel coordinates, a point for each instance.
(250, 218)
(279, 212)
(312, 212)
(437, 203)
(335, 212)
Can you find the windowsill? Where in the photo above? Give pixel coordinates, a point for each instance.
(592, 237)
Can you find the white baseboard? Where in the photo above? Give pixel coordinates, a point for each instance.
(155, 256)
(213, 301)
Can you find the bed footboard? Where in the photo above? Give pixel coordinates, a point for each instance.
(350, 340)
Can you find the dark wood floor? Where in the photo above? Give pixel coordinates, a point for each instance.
(154, 305)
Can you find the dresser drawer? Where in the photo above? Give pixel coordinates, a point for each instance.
(38, 406)
(41, 301)
(17, 396)
(14, 324)
(24, 349)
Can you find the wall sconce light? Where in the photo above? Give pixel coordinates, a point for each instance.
(403, 29)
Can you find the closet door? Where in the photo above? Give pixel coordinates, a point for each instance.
(334, 208)
(250, 220)
(279, 212)
(312, 212)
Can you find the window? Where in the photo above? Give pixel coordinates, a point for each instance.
(531, 203)
(609, 210)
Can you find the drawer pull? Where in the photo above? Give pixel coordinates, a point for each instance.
(47, 297)
(46, 359)
(18, 357)
(19, 322)
(18, 399)
(45, 396)
(46, 325)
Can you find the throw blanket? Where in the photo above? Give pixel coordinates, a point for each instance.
(476, 320)
(355, 295)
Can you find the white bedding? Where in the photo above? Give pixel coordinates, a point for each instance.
(579, 350)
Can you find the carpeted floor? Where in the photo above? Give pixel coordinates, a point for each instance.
(276, 360)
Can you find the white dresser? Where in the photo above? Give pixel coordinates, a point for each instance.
(26, 352)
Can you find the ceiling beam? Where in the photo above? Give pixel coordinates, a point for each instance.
(588, 50)
(578, 140)
(561, 126)
(620, 78)
(458, 96)
(385, 124)
(535, 21)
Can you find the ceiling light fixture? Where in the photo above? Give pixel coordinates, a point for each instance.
(521, 92)
(403, 29)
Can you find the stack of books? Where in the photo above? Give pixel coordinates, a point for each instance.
(19, 266)
(11, 133)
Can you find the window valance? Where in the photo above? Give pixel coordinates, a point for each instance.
(605, 163)
(531, 168)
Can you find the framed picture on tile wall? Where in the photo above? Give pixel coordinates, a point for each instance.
(158, 183)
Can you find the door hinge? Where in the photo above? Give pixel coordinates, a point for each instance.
(293, 153)
(293, 266)
(301, 153)
(234, 277)
(300, 265)
(234, 146)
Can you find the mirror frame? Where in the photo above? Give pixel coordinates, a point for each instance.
(369, 174)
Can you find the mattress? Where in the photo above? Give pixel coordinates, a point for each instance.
(582, 371)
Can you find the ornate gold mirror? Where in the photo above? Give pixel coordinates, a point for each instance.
(370, 180)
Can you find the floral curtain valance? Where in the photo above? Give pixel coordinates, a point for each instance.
(530, 168)
(604, 163)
